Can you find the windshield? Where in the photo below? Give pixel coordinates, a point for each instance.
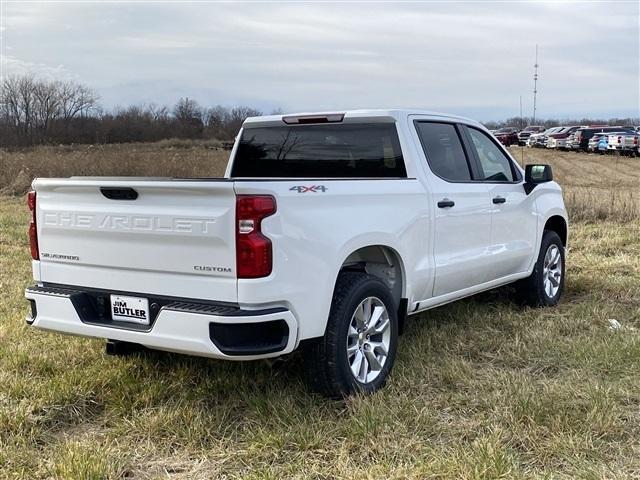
(321, 151)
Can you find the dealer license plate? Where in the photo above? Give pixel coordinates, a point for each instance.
(130, 309)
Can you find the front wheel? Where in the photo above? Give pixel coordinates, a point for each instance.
(359, 347)
(544, 286)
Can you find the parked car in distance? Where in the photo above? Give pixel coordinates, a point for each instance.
(558, 140)
(585, 133)
(325, 232)
(596, 141)
(524, 135)
(603, 143)
(540, 139)
(625, 142)
(507, 136)
(570, 142)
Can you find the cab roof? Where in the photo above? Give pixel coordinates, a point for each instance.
(351, 116)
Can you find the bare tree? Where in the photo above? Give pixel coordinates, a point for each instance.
(237, 117)
(216, 119)
(189, 115)
(18, 99)
(31, 106)
(46, 107)
(10, 104)
(187, 110)
(159, 113)
(75, 99)
(223, 123)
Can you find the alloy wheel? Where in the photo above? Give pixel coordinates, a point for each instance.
(368, 339)
(552, 271)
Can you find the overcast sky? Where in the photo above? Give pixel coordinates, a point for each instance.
(470, 58)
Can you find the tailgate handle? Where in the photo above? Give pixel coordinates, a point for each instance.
(119, 193)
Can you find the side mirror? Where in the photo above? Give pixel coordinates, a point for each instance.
(536, 174)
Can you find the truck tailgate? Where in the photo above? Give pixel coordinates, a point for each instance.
(176, 238)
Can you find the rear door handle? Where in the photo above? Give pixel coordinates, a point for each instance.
(499, 199)
(445, 203)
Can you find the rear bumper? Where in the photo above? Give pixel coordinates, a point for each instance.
(207, 330)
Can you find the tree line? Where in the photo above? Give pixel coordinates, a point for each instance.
(35, 111)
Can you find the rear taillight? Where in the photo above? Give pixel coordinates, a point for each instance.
(619, 139)
(635, 140)
(33, 230)
(254, 257)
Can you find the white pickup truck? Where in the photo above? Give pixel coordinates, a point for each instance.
(326, 231)
(625, 142)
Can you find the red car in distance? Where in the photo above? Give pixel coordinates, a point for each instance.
(507, 136)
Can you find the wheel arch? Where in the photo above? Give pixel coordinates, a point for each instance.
(558, 224)
(384, 262)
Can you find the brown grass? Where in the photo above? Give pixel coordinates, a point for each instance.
(482, 389)
(595, 187)
(168, 158)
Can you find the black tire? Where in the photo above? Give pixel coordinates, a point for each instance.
(327, 364)
(531, 290)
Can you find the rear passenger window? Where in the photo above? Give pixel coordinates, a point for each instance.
(444, 152)
(495, 165)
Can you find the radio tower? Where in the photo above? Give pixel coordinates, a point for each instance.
(535, 86)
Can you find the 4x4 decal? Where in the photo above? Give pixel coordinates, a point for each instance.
(310, 188)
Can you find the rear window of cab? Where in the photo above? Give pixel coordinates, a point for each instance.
(337, 150)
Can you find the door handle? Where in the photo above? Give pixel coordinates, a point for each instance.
(499, 199)
(445, 203)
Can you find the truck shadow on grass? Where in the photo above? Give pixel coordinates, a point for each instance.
(218, 380)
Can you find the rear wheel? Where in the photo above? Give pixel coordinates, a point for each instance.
(359, 347)
(545, 285)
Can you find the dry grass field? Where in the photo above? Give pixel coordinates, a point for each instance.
(596, 187)
(174, 158)
(482, 389)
